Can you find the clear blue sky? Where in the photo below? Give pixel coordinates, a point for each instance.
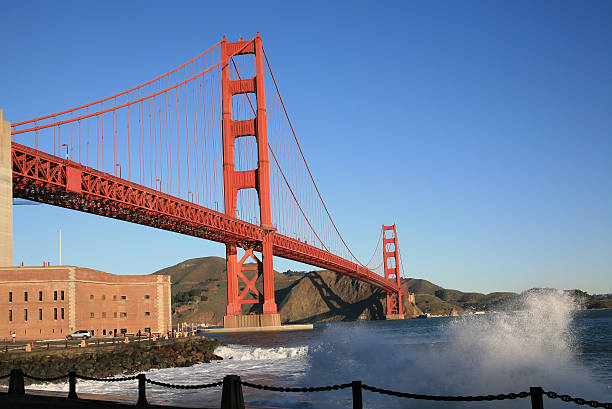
(483, 129)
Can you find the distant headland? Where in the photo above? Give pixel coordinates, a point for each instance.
(199, 295)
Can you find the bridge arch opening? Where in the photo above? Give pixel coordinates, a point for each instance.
(245, 153)
(244, 106)
(247, 206)
(242, 66)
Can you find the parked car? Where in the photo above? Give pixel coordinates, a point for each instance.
(80, 334)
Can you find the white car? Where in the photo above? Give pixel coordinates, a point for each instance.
(81, 334)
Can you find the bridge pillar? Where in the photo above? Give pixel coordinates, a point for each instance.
(6, 195)
(241, 276)
(395, 309)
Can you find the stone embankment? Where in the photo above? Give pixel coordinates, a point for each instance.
(118, 359)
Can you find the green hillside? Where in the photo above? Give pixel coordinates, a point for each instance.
(199, 294)
(433, 299)
(199, 289)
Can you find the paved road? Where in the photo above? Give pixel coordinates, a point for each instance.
(57, 344)
(29, 401)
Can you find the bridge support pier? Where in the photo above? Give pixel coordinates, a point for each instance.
(395, 309)
(6, 195)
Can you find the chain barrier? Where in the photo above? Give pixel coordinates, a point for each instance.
(311, 389)
(579, 401)
(502, 396)
(174, 386)
(481, 398)
(89, 378)
(35, 378)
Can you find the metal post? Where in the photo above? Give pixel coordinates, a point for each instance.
(357, 398)
(142, 393)
(16, 385)
(72, 385)
(231, 396)
(536, 393)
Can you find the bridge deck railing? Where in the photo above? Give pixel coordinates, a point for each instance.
(232, 395)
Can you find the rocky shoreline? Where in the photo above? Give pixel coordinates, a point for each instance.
(118, 359)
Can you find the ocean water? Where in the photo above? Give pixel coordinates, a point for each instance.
(549, 343)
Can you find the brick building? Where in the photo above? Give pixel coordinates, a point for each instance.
(51, 302)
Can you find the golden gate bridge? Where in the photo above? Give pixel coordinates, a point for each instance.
(208, 150)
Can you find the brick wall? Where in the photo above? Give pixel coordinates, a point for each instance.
(63, 299)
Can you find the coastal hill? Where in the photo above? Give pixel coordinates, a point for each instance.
(437, 300)
(199, 295)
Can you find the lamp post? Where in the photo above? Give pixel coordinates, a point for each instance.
(66, 145)
(119, 165)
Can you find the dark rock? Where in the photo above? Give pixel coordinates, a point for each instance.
(109, 360)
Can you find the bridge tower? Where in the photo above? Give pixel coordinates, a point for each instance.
(391, 265)
(258, 179)
(6, 195)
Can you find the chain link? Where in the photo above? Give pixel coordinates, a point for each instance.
(89, 378)
(519, 395)
(170, 385)
(35, 378)
(311, 389)
(447, 398)
(579, 401)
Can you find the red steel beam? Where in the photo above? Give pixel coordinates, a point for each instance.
(45, 178)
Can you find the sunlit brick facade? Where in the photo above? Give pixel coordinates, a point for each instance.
(50, 302)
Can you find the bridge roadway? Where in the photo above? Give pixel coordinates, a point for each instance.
(45, 178)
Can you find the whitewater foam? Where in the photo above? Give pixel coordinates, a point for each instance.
(277, 366)
(478, 355)
(253, 353)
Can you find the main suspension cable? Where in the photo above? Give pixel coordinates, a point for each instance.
(305, 163)
(281, 170)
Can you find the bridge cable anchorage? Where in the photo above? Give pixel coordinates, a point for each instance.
(305, 163)
(283, 174)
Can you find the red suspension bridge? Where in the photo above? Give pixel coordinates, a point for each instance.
(200, 151)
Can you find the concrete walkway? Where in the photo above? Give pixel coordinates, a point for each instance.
(31, 401)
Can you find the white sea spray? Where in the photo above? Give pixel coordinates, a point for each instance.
(476, 355)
